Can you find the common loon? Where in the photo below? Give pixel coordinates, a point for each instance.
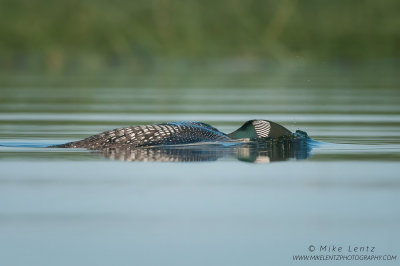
(175, 133)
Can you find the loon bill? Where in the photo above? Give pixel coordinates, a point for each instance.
(175, 133)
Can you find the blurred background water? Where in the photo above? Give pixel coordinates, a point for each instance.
(70, 69)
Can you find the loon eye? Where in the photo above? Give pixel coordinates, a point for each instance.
(262, 128)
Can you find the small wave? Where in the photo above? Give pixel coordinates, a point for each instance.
(27, 144)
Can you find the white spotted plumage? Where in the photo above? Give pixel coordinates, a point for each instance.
(137, 136)
(175, 133)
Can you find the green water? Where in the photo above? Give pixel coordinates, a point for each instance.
(74, 207)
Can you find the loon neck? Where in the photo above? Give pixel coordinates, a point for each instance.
(246, 131)
(257, 129)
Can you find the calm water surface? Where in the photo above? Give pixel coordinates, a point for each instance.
(75, 207)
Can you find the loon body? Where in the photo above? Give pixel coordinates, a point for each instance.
(176, 133)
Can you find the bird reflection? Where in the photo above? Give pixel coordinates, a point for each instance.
(254, 152)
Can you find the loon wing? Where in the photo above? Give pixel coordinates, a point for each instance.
(150, 135)
(193, 123)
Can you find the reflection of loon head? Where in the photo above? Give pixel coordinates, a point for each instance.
(257, 129)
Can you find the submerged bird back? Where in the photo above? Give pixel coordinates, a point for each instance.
(149, 135)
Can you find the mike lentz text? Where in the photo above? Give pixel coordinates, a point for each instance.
(344, 253)
(349, 249)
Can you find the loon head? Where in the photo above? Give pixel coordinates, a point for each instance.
(258, 129)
